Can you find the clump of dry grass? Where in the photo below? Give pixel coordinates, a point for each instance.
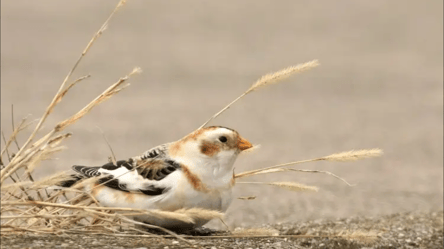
(29, 206)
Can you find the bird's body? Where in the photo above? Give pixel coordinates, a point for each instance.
(193, 172)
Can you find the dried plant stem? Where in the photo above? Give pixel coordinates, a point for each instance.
(268, 80)
(112, 90)
(298, 170)
(253, 172)
(342, 157)
(223, 109)
(13, 126)
(113, 156)
(58, 96)
(20, 127)
(293, 186)
(46, 216)
(159, 228)
(247, 198)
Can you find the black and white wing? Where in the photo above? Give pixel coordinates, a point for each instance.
(143, 176)
(159, 152)
(155, 164)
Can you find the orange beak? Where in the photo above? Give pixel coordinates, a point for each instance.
(243, 144)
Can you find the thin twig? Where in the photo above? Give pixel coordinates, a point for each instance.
(13, 126)
(114, 161)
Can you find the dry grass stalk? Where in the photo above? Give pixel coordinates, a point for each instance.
(276, 170)
(21, 127)
(199, 213)
(247, 198)
(293, 186)
(366, 237)
(255, 232)
(113, 156)
(266, 80)
(273, 78)
(108, 93)
(353, 155)
(343, 157)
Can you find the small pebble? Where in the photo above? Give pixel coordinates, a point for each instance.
(175, 242)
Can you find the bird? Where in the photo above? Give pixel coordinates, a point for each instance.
(196, 171)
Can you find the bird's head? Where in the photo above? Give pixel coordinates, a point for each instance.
(213, 149)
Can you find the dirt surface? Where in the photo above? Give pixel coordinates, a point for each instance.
(406, 230)
(379, 85)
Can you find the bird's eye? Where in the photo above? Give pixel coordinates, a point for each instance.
(223, 139)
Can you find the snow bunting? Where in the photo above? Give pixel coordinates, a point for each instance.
(193, 172)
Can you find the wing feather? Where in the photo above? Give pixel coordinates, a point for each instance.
(147, 179)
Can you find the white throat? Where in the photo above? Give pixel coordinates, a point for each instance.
(215, 171)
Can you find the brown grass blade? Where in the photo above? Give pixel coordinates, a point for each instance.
(255, 232)
(293, 186)
(199, 213)
(276, 170)
(247, 198)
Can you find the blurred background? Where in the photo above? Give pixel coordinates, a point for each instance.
(380, 84)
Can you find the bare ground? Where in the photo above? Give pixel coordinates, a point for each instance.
(404, 230)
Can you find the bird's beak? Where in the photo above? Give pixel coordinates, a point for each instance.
(243, 144)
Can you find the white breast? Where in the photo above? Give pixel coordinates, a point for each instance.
(180, 195)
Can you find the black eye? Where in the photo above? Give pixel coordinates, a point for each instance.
(223, 139)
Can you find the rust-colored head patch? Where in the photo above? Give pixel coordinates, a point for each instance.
(195, 134)
(209, 149)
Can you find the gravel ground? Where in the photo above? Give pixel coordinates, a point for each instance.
(402, 230)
